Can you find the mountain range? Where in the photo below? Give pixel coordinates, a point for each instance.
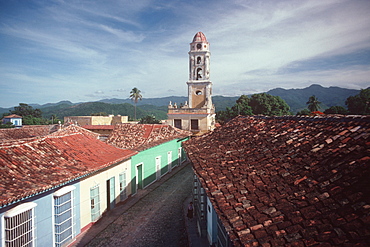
(295, 98)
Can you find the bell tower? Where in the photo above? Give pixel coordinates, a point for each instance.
(198, 114)
(199, 85)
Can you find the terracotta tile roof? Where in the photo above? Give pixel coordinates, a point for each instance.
(70, 129)
(288, 181)
(98, 127)
(31, 166)
(13, 116)
(143, 136)
(26, 131)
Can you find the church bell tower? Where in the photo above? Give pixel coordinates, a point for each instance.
(198, 114)
(199, 85)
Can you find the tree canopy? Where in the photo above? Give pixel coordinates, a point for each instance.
(304, 112)
(313, 104)
(149, 119)
(26, 110)
(360, 103)
(266, 104)
(135, 95)
(336, 110)
(263, 103)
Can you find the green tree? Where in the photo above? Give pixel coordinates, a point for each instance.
(336, 110)
(26, 110)
(240, 108)
(6, 125)
(149, 119)
(269, 105)
(99, 114)
(360, 103)
(263, 103)
(30, 116)
(135, 95)
(54, 119)
(313, 104)
(304, 112)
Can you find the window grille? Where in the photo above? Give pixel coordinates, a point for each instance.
(64, 217)
(19, 225)
(95, 203)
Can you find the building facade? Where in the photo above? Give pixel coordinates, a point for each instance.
(159, 150)
(96, 120)
(198, 113)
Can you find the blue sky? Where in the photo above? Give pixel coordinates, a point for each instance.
(90, 50)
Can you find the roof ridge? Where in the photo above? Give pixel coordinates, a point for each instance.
(336, 118)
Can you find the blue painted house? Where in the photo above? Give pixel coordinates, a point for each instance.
(14, 119)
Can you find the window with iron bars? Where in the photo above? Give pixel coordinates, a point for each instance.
(64, 216)
(19, 226)
(95, 203)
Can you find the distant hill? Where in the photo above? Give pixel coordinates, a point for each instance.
(295, 98)
(220, 102)
(148, 101)
(86, 109)
(125, 107)
(60, 104)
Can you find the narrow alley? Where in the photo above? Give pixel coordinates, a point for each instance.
(153, 217)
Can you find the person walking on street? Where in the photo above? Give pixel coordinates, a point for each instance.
(190, 210)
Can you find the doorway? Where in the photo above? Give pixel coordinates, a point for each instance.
(139, 177)
(111, 197)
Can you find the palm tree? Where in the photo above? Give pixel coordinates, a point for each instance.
(313, 103)
(135, 96)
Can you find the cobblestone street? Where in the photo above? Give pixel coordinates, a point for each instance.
(157, 219)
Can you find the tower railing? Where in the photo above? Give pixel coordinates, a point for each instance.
(191, 110)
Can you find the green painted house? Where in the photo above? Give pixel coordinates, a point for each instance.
(159, 150)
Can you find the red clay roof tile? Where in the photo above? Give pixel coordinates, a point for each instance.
(13, 116)
(299, 180)
(98, 127)
(27, 131)
(33, 165)
(143, 136)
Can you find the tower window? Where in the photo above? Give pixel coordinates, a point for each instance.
(198, 92)
(199, 73)
(177, 123)
(199, 46)
(199, 60)
(194, 124)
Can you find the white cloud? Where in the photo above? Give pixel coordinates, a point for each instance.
(93, 46)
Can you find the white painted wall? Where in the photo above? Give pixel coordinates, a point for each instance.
(101, 180)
